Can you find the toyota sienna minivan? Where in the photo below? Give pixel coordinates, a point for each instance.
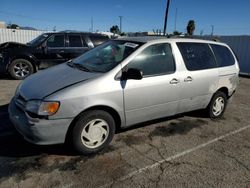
(122, 83)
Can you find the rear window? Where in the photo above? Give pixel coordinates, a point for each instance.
(223, 55)
(197, 56)
(98, 39)
(75, 41)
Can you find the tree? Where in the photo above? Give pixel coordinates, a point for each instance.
(177, 33)
(190, 27)
(13, 26)
(115, 29)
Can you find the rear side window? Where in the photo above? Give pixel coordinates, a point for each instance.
(197, 56)
(223, 55)
(98, 39)
(156, 59)
(75, 41)
(56, 41)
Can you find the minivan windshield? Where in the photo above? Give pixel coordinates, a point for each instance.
(105, 57)
(38, 40)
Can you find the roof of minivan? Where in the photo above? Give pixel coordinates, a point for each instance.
(146, 39)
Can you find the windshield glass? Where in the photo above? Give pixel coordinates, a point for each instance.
(106, 56)
(38, 40)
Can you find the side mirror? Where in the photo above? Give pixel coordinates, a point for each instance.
(133, 74)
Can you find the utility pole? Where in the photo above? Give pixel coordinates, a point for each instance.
(120, 23)
(166, 18)
(92, 25)
(175, 19)
(212, 33)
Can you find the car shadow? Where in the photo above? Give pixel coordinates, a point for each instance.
(5, 77)
(12, 143)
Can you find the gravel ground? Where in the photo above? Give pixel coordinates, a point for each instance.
(187, 150)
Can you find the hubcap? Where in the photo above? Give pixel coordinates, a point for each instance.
(95, 133)
(21, 69)
(218, 106)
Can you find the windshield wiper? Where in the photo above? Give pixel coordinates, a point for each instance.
(81, 67)
(78, 66)
(70, 63)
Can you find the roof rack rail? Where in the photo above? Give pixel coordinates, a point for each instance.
(206, 37)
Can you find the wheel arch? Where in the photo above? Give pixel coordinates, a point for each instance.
(108, 109)
(27, 57)
(224, 90)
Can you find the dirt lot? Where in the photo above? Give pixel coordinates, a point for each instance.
(187, 150)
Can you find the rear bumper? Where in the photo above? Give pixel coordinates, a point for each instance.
(37, 131)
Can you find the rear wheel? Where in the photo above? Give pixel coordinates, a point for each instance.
(20, 69)
(217, 105)
(93, 131)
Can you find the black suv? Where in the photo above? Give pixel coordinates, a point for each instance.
(21, 60)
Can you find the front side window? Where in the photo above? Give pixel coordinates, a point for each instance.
(156, 59)
(196, 56)
(223, 55)
(56, 41)
(107, 55)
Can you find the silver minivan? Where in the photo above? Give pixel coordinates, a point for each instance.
(122, 83)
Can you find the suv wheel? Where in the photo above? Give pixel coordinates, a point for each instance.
(93, 131)
(217, 105)
(20, 69)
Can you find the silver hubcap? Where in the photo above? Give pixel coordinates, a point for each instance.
(218, 106)
(95, 133)
(21, 69)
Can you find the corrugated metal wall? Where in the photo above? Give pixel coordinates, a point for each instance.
(241, 46)
(18, 35)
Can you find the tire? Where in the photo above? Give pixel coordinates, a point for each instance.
(217, 105)
(93, 131)
(20, 69)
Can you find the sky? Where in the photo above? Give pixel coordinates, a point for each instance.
(228, 17)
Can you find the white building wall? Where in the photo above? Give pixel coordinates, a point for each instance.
(18, 35)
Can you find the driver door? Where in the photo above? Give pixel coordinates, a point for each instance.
(156, 95)
(54, 51)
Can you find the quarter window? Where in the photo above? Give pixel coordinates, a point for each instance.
(223, 55)
(196, 56)
(56, 41)
(154, 60)
(98, 39)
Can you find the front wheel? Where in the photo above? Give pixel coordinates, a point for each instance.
(217, 106)
(20, 69)
(93, 131)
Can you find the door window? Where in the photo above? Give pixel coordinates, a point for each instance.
(75, 41)
(56, 41)
(196, 56)
(156, 59)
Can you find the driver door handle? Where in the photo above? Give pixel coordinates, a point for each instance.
(188, 79)
(174, 81)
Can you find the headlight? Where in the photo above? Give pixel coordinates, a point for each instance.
(42, 108)
(48, 108)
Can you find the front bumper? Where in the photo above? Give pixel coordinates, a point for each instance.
(38, 131)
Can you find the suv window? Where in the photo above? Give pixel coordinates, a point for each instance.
(56, 41)
(197, 56)
(98, 39)
(75, 41)
(223, 55)
(156, 59)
